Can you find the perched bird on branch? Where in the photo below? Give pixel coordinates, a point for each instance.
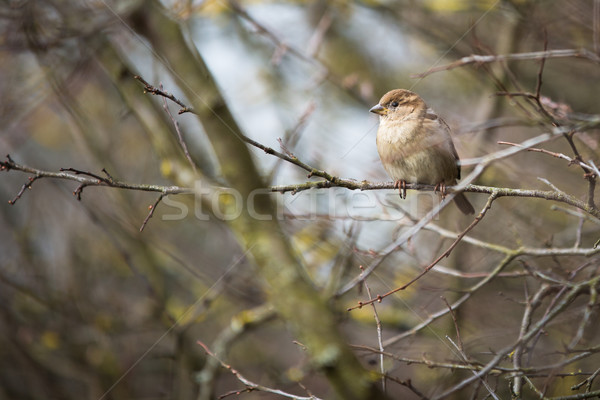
(415, 146)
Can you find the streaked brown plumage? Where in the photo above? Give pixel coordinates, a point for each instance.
(414, 144)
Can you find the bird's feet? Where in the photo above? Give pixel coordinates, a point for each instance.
(441, 187)
(401, 186)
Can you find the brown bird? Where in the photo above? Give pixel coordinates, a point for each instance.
(415, 146)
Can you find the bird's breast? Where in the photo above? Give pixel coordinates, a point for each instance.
(416, 154)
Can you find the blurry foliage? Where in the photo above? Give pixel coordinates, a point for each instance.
(85, 296)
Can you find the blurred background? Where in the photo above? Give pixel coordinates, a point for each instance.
(92, 308)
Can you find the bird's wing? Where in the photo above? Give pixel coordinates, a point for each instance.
(431, 115)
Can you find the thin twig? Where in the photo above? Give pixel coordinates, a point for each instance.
(466, 359)
(530, 306)
(152, 208)
(322, 71)
(500, 355)
(535, 55)
(534, 371)
(315, 41)
(290, 139)
(579, 232)
(379, 335)
(408, 384)
(588, 381)
(580, 396)
(562, 156)
(460, 347)
(291, 159)
(249, 384)
(26, 185)
(446, 253)
(587, 316)
(182, 142)
(159, 92)
(90, 179)
(538, 87)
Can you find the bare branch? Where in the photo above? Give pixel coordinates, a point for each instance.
(446, 253)
(182, 142)
(250, 386)
(554, 154)
(379, 335)
(530, 307)
(90, 179)
(152, 208)
(570, 295)
(332, 181)
(159, 92)
(535, 55)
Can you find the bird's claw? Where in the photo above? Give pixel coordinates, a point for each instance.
(441, 187)
(401, 186)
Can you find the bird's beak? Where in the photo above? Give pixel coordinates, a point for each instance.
(379, 109)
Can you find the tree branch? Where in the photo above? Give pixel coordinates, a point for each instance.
(534, 55)
(89, 179)
(86, 179)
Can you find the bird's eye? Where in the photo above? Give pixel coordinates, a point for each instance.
(394, 104)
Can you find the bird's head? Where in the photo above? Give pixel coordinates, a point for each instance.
(399, 103)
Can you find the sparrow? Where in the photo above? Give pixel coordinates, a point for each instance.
(415, 146)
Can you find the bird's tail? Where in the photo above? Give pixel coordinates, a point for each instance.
(463, 204)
